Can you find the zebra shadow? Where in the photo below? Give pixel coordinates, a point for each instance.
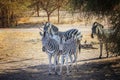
(88, 46)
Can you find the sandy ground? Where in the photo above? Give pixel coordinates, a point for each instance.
(21, 58)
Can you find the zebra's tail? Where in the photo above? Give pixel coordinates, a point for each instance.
(79, 48)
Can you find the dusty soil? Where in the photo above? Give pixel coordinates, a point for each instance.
(21, 58)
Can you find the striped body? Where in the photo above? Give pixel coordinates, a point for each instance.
(68, 34)
(69, 47)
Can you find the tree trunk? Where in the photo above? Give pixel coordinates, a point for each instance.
(38, 10)
(12, 19)
(8, 18)
(48, 15)
(58, 15)
(4, 21)
(2, 18)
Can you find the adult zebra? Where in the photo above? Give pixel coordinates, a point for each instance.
(51, 47)
(103, 35)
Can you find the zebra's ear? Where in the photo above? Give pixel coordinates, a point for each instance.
(48, 29)
(51, 28)
(41, 34)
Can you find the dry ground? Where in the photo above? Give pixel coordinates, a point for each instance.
(21, 58)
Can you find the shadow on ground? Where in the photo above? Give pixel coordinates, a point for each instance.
(95, 70)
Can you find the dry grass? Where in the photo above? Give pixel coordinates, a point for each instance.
(65, 18)
(18, 43)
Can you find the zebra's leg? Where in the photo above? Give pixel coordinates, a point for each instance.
(55, 63)
(106, 47)
(68, 73)
(71, 62)
(63, 59)
(71, 59)
(75, 57)
(62, 62)
(50, 64)
(101, 47)
(75, 60)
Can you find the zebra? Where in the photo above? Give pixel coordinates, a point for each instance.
(103, 35)
(69, 48)
(51, 47)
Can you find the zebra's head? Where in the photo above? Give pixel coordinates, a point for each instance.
(96, 29)
(52, 31)
(93, 29)
(45, 37)
(48, 26)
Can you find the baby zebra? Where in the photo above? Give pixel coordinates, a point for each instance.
(69, 48)
(51, 47)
